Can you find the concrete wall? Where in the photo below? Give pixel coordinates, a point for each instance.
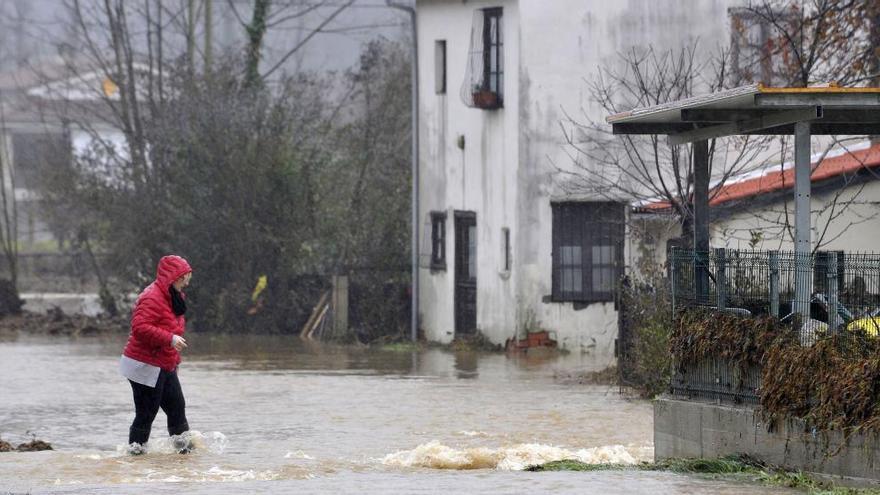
(508, 172)
(686, 428)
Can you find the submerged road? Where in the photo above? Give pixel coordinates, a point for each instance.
(275, 415)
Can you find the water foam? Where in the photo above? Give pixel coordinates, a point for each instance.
(213, 442)
(299, 454)
(213, 474)
(473, 433)
(513, 458)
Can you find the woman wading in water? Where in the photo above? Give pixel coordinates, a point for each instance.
(152, 354)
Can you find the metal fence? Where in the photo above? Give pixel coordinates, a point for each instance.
(822, 294)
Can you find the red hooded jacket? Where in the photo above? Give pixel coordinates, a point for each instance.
(153, 323)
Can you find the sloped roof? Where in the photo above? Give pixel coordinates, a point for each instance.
(847, 162)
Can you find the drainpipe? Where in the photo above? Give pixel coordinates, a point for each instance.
(414, 304)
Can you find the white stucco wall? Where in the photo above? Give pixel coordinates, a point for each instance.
(479, 178)
(507, 172)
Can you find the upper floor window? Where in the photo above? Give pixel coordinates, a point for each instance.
(484, 77)
(759, 49)
(440, 67)
(587, 250)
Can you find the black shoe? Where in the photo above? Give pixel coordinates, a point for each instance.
(136, 449)
(182, 445)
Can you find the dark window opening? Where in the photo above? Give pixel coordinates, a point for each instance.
(438, 240)
(587, 250)
(506, 243)
(440, 67)
(493, 69)
(484, 75)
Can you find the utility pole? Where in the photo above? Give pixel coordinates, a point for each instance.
(414, 262)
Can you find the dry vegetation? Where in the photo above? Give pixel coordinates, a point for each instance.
(831, 385)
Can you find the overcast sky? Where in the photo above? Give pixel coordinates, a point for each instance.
(30, 29)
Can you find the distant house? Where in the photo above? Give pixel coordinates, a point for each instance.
(49, 112)
(505, 249)
(755, 210)
(845, 205)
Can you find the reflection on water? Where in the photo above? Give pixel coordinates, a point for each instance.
(281, 415)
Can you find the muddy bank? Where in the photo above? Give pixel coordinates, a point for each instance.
(32, 446)
(60, 324)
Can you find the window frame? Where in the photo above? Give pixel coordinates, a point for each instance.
(438, 241)
(770, 62)
(497, 44)
(587, 225)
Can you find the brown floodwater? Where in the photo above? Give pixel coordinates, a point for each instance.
(275, 415)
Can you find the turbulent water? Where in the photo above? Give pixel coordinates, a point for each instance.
(273, 415)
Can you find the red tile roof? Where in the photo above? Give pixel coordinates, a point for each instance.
(845, 163)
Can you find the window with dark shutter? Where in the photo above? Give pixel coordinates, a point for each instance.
(587, 250)
(484, 75)
(438, 240)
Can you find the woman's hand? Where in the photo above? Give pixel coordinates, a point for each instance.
(178, 342)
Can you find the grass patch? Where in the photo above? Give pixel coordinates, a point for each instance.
(733, 466)
(402, 347)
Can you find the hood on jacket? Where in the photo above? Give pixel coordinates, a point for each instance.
(170, 269)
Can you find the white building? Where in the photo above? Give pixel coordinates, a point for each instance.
(757, 213)
(491, 207)
(49, 113)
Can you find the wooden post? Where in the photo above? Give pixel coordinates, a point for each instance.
(340, 305)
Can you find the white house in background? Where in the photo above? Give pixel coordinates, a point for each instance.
(755, 211)
(845, 205)
(50, 113)
(503, 247)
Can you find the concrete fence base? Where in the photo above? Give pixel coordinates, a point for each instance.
(687, 428)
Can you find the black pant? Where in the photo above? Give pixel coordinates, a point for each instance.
(168, 395)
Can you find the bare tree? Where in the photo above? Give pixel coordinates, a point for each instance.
(811, 41)
(782, 42)
(806, 43)
(245, 178)
(646, 169)
(8, 203)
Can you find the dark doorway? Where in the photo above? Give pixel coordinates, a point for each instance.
(465, 273)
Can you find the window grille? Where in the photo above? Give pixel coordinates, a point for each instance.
(587, 250)
(438, 240)
(483, 85)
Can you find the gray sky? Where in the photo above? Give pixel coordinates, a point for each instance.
(31, 29)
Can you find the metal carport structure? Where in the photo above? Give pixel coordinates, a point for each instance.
(758, 110)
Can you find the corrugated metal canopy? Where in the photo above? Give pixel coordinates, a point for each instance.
(757, 109)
